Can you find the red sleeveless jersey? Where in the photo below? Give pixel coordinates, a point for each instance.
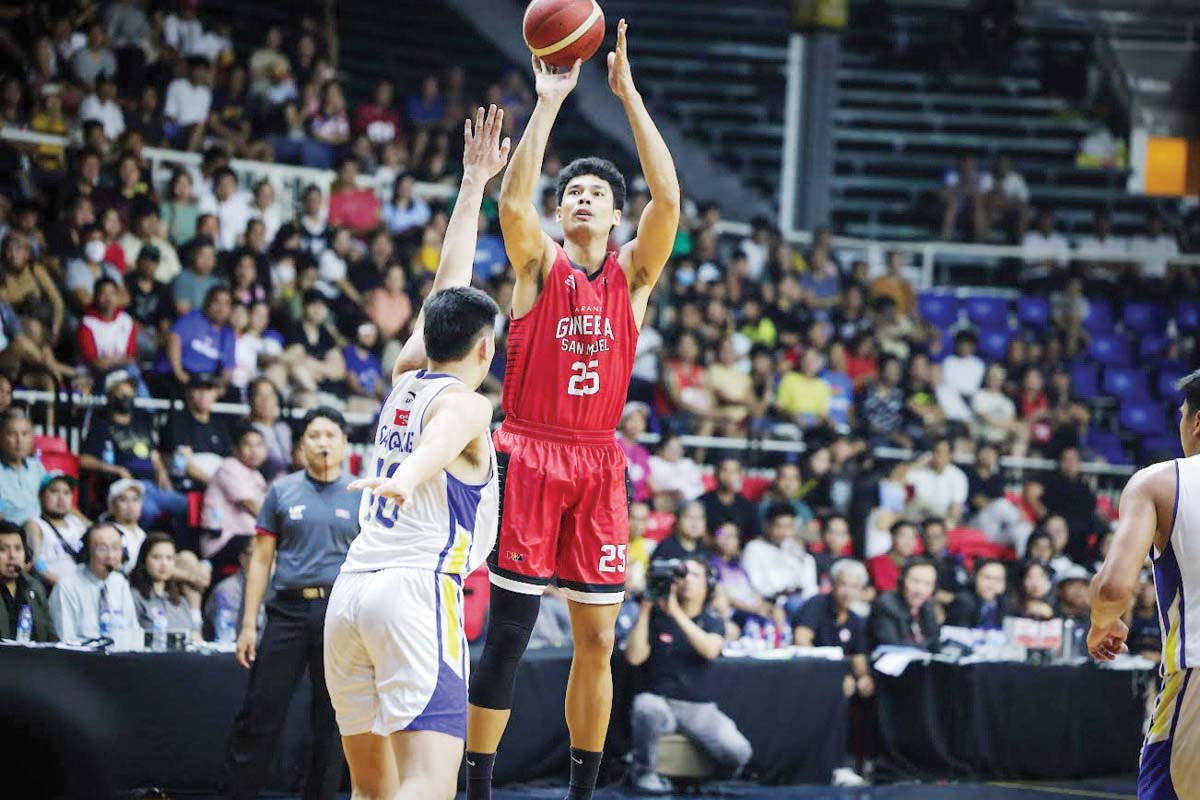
(570, 357)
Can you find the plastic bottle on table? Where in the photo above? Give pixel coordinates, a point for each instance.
(25, 624)
(110, 454)
(158, 642)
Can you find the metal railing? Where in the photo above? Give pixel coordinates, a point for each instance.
(73, 435)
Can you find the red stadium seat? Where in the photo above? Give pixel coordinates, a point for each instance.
(754, 487)
(195, 502)
(356, 462)
(50, 444)
(972, 544)
(62, 461)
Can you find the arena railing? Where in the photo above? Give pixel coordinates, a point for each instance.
(362, 445)
(290, 182)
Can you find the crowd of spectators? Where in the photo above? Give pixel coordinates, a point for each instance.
(203, 288)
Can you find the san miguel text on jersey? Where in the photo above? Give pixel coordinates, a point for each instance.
(570, 357)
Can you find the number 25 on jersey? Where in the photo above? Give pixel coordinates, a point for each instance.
(585, 380)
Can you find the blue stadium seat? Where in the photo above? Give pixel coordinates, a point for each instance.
(1151, 346)
(1145, 317)
(1126, 383)
(1167, 378)
(1033, 312)
(1110, 350)
(988, 312)
(993, 343)
(1099, 317)
(1147, 419)
(1085, 380)
(1155, 447)
(1108, 446)
(1187, 315)
(938, 308)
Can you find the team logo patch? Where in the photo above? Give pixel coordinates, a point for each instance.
(402, 415)
(570, 282)
(296, 512)
(514, 556)
(341, 513)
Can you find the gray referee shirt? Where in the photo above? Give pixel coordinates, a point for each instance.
(313, 524)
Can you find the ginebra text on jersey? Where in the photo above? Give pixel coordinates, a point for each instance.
(584, 325)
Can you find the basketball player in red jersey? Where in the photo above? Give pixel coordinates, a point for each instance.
(574, 326)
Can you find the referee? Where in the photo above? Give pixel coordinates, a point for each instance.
(305, 526)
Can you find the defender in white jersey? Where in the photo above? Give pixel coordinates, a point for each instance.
(1160, 517)
(395, 653)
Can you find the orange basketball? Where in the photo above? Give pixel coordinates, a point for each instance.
(560, 31)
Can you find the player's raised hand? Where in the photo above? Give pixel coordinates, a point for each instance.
(1105, 644)
(397, 489)
(551, 85)
(484, 154)
(620, 75)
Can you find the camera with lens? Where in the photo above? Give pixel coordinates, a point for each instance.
(661, 575)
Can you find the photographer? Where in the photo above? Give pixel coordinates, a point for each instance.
(675, 639)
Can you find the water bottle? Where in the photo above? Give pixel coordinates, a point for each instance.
(179, 463)
(110, 454)
(752, 632)
(785, 636)
(768, 633)
(158, 642)
(25, 624)
(226, 630)
(1068, 639)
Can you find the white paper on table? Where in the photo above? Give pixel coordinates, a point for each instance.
(894, 663)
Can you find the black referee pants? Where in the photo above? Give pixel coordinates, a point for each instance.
(293, 639)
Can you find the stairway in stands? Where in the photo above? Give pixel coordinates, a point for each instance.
(717, 68)
(899, 129)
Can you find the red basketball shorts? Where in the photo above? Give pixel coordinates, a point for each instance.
(564, 513)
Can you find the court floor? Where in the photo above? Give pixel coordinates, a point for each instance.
(1109, 789)
(1101, 789)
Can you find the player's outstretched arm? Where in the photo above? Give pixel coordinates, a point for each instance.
(529, 249)
(1114, 585)
(645, 256)
(484, 155)
(453, 421)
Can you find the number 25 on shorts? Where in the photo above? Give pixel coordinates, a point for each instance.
(586, 381)
(612, 558)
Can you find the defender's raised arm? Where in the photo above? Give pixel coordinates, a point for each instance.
(484, 155)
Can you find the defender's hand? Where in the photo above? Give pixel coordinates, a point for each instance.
(484, 155)
(551, 85)
(397, 489)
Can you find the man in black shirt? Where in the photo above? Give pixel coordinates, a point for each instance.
(19, 590)
(367, 272)
(726, 502)
(149, 302)
(674, 641)
(195, 436)
(120, 444)
(988, 508)
(1068, 495)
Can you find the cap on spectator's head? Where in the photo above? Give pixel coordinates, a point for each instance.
(56, 475)
(635, 407)
(116, 378)
(202, 380)
(1075, 572)
(124, 485)
(149, 253)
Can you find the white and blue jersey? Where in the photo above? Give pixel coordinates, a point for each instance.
(451, 526)
(1170, 767)
(395, 653)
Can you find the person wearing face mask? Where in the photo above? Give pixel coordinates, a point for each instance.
(95, 600)
(121, 443)
(83, 272)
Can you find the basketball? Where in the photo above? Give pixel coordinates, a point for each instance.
(560, 31)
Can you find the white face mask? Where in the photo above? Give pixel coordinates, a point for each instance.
(94, 250)
(285, 273)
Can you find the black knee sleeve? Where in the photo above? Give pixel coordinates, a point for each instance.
(511, 621)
